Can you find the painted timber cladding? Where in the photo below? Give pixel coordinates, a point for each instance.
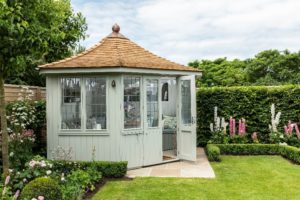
(137, 146)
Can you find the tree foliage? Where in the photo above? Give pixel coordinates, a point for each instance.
(270, 67)
(50, 26)
(32, 32)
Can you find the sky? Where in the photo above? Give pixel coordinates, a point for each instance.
(186, 30)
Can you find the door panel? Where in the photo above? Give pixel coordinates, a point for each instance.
(153, 131)
(187, 118)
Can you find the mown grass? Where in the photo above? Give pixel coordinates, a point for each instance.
(237, 178)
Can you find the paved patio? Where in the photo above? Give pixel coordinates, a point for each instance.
(184, 169)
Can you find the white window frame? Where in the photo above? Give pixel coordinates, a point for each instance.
(83, 131)
(158, 102)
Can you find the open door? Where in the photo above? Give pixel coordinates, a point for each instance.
(186, 110)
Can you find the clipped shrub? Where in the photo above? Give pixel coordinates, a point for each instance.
(249, 102)
(249, 149)
(213, 152)
(43, 186)
(108, 169)
(289, 152)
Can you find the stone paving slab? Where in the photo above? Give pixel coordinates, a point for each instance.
(184, 169)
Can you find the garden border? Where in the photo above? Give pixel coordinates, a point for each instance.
(214, 151)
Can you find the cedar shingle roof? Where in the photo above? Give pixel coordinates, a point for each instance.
(117, 51)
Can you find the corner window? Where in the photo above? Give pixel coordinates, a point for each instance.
(152, 103)
(95, 89)
(71, 103)
(132, 103)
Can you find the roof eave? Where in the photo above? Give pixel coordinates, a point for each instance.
(133, 70)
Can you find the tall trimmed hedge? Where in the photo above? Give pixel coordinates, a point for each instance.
(250, 102)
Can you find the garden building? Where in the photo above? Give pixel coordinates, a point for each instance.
(117, 101)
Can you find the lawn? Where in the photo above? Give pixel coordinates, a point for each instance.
(238, 177)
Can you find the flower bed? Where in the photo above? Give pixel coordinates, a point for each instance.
(74, 178)
(289, 152)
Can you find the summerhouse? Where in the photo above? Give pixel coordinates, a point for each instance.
(117, 101)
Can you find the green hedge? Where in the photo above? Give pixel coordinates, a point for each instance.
(42, 186)
(213, 152)
(289, 152)
(249, 102)
(107, 168)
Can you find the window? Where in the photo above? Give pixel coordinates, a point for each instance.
(165, 92)
(95, 89)
(186, 117)
(71, 103)
(152, 103)
(132, 104)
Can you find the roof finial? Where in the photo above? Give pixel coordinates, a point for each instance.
(116, 28)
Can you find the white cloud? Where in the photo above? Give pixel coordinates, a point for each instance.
(184, 30)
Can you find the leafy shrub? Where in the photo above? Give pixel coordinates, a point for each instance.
(213, 152)
(292, 141)
(43, 186)
(37, 167)
(25, 117)
(219, 137)
(249, 102)
(20, 147)
(78, 182)
(237, 139)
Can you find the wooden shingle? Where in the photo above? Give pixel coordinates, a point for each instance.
(115, 50)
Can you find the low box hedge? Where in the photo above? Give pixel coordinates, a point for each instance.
(108, 169)
(213, 153)
(289, 152)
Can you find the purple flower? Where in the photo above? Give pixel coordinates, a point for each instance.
(7, 180)
(17, 194)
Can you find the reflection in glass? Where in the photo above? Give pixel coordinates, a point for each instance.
(186, 117)
(132, 112)
(71, 101)
(95, 103)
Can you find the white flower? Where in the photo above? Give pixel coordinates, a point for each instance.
(283, 144)
(33, 199)
(11, 154)
(43, 163)
(24, 180)
(10, 170)
(32, 163)
(48, 172)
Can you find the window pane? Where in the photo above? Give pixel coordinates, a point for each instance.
(165, 92)
(132, 112)
(152, 103)
(71, 101)
(186, 117)
(95, 103)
